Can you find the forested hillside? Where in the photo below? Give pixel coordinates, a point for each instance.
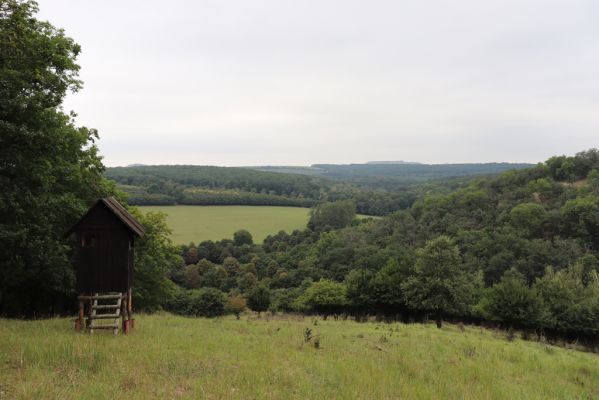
(519, 250)
(206, 185)
(218, 177)
(395, 175)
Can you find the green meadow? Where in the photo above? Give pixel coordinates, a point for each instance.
(170, 357)
(198, 223)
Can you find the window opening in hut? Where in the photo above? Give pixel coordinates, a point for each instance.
(88, 241)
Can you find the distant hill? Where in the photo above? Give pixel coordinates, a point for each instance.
(394, 174)
(377, 189)
(392, 162)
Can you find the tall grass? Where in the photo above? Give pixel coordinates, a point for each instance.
(268, 358)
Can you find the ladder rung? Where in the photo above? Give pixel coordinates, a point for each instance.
(106, 306)
(102, 297)
(105, 316)
(115, 326)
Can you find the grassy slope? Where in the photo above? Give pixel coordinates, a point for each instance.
(198, 223)
(176, 357)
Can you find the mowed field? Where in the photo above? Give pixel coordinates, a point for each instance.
(198, 223)
(170, 357)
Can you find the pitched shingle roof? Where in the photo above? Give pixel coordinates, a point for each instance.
(119, 211)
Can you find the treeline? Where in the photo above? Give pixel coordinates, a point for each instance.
(199, 185)
(393, 176)
(520, 251)
(164, 179)
(137, 195)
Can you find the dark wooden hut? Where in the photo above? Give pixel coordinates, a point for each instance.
(105, 237)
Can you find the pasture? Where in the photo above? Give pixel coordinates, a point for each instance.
(198, 223)
(170, 357)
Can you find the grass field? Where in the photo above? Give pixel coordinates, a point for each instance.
(169, 357)
(198, 223)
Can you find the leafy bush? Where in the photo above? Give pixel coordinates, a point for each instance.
(332, 215)
(440, 285)
(242, 237)
(513, 303)
(236, 305)
(259, 298)
(325, 296)
(204, 302)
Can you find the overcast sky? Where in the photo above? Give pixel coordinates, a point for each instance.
(300, 82)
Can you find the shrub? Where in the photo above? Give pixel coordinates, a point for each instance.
(242, 237)
(236, 305)
(259, 299)
(325, 297)
(513, 303)
(327, 216)
(204, 302)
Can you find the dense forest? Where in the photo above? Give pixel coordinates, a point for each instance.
(389, 175)
(519, 250)
(207, 185)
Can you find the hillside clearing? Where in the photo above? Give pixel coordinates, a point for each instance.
(267, 358)
(199, 223)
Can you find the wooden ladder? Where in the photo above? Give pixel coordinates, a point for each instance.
(102, 307)
(105, 306)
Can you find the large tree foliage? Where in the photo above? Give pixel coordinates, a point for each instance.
(513, 302)
(325, 296)
(332, 215)
(259, 298)
(581, 216)
(50, 170)
(440, 286)
(571, 297)
(155, 256)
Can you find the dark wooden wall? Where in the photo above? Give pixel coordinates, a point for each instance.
(104, 253)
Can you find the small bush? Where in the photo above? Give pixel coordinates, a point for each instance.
(259, 299)
(317, 342)
(204, 302)
(307, 335)
(236, 305)
(242, 237)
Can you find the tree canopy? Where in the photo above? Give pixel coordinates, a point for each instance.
(50, 170)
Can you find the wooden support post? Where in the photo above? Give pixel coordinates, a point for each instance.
(125, 322)
(130, 308)
(93, 313)
(89, 311)
(79, 324)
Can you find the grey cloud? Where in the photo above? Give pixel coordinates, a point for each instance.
(281, 82)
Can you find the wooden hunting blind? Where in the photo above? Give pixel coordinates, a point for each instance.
(105, 237)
